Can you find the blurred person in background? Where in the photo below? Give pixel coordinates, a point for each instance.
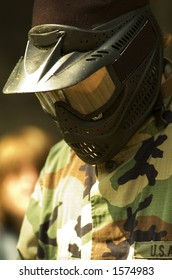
(22, 155)
(97, 68)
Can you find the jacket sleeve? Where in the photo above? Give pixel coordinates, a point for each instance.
(28, 239)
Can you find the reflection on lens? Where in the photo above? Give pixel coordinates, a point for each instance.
(85, 97)
(91, 93)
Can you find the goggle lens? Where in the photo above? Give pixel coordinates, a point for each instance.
(85, 97)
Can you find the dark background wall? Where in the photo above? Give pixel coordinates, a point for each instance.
(15, 20)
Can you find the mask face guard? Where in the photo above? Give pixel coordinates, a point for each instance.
(132, 55)
(98, 141)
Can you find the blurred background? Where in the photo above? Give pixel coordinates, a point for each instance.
(15, 23)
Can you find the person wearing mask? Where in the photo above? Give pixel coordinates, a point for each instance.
(97, 68)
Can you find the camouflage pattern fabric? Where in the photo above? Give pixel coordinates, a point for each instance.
(116, 212)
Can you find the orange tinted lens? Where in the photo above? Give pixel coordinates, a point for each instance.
(85, 97)
(91, 93)
(49, 98)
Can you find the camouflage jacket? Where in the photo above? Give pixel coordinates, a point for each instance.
(121, 211)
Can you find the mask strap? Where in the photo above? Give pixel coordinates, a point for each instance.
(163, 115)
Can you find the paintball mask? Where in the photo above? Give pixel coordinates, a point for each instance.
(99, 84)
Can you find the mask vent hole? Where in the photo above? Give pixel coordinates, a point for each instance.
(146, 96)
(123, 41)
(88, 151)
(121, 44)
